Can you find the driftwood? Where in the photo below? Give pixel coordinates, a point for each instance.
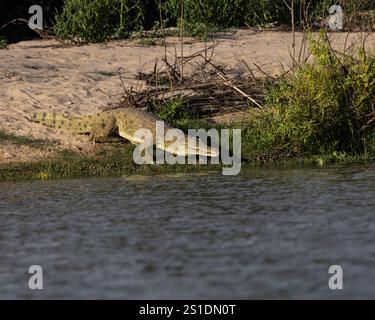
(205, 91)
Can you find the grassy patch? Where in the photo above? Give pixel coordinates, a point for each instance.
(321, 160)
(108, 161)
(7, 137)
(117, 160)
(172, 110)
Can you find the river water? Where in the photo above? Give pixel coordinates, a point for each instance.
(267, 233)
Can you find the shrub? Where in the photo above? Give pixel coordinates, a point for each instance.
(226, 13)
(98, 20)
(326, 106)
(3, 43)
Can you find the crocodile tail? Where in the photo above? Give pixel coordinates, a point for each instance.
(59, 121)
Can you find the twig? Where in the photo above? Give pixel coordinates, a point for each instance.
(262, 71)
(239, 90)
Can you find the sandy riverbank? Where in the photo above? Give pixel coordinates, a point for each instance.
(44, 75)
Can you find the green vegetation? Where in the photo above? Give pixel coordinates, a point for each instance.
(326, 107)
(116, 160)
(171, 111)
(99, 20)
(202, 16)
(3, 43)
(108, 160)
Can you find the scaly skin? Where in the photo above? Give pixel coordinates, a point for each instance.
(123, 122)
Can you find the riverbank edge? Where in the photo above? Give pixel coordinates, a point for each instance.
(115, 160)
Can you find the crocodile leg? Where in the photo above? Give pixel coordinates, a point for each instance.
(103, 129)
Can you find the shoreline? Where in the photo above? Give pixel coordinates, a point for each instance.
(115, 160)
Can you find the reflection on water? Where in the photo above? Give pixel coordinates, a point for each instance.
(268, 233)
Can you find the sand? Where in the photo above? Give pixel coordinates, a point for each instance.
(45, 75)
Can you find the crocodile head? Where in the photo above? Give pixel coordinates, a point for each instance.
(193, 146)
(201, 148)
(130, 120)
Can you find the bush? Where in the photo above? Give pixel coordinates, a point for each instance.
(3, 43)
(327, 106)
(226, 13)
(99, 20)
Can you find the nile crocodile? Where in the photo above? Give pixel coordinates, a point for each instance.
(123, 122)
